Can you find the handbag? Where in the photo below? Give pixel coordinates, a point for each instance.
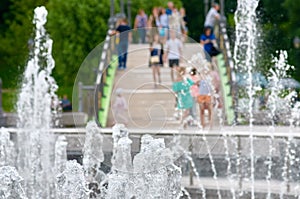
(154, 59)
(161, 32)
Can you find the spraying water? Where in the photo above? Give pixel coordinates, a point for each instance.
(151, 174)
(60, 153)
(35, 107)
(92, 153)
(10, 183)
(245, 46)
(7, 149)
(245, 58)
(71, 182)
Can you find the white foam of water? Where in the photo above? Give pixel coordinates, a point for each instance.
(71, 182)
(92, 152)
(10, 183)
(35, 108)
(7, 149)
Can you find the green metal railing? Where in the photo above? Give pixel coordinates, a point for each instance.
(105, 77)
(227, 74)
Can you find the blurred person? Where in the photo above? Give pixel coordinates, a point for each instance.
(205, 100)
(153, 24)
(66, 103)
(163, 25)
(181, 87)
(209, 43)
(212, 16)
(184, 21)
(170, 8)
(175, 21)
(173, 51)
(120, 107)
(123, 32)
(155, 59)
(216, 83)
(140, 24)
(194, 91)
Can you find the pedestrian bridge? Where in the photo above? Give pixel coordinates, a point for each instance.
(150, 107)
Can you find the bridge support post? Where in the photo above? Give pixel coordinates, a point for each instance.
(206, 7)
(80, 105)
(129, 12)
(222, 7)
(2, 118)
(122, 7)
(190, 164)
(112, 8)
(239, 166)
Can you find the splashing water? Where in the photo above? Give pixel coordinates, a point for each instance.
(276, 103)
(120, 178)
(156, 175)
(151, 174)
(177, 151)
(92, 152)
(60, 153)
(35, 107)
(245, 58)
(10, 183)
(7, 149)
(71, 182)
(245, 46)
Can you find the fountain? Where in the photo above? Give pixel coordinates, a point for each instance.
(36, 109)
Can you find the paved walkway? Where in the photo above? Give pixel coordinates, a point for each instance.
(148, 107)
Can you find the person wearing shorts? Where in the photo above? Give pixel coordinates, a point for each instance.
(173, 52)
(204, 100)
(173, 63)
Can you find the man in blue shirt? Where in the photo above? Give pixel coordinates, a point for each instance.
(124, 32)
(170, 8)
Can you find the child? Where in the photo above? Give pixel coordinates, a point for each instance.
(194, 91)
(181, 87)
(204, 100)
(120, 108)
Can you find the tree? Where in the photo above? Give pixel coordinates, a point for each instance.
(293, 30)
(195, 16)
(16, 29)
(76, 28)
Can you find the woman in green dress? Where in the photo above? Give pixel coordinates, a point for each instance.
(182, 89)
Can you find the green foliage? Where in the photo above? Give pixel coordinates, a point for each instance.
(9, 98)
(76, 28)
(279, 25)
(293, 10)
(195, 16)
(16, 30)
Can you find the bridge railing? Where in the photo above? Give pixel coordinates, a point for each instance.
(105, 76)
(227, 73)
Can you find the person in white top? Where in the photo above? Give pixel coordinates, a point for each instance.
(163, 25)
(175, 21)
(120, 107)
(173, 51)
(212, 16)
